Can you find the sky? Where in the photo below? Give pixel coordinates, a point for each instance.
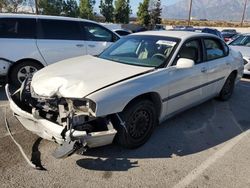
(135, 3)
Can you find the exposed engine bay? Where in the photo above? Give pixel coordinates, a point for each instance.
(80, 128)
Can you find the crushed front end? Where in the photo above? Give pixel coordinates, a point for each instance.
(68, 122)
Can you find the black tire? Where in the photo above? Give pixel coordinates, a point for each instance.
(14, 76)
(140, 118)
(228, 88)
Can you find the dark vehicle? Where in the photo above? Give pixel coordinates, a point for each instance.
(212, 31)
(233, 31)
(122, 32)
(228, 36)
(159, 27)
(201, 30)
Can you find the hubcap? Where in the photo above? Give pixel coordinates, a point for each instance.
(24, 72)
(139, 124)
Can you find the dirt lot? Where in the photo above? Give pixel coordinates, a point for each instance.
(207, 146)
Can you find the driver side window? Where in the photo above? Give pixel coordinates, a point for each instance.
(190, 50)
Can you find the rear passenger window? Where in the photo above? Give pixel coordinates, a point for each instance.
(94, 32)
(18, 28)
(59, 30)
(214, 49)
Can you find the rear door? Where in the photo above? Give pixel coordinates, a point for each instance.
(97, 37)
(218, 63)
(60, 39)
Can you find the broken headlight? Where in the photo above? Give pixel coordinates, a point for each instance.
(85, 105)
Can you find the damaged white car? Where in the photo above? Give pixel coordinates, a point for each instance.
(138, 82)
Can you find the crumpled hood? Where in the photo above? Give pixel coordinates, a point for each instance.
(77, 77)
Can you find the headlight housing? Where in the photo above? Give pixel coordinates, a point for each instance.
(84, 105)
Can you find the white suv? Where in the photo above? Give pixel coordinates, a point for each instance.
(30, 42)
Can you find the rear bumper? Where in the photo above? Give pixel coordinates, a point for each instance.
(246, 72)
(52, 131)
(247, 68)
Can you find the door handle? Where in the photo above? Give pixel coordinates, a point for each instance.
(79, 45)
(227, 63)
(203, 69)
(91, 45)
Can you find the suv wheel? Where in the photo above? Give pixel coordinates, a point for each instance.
(22, 70)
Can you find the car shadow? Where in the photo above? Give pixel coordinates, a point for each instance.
(36, 155)
(195, 130)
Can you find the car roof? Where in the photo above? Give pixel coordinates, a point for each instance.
(11, 15)
(176, 34)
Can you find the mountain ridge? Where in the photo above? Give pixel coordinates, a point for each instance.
(229, 10)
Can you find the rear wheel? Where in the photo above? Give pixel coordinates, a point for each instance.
(140, 119)
(228, 88)
(22, 70)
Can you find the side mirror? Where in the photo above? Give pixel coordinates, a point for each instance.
(183, 63)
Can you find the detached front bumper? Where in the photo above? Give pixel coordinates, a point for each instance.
(52, 131)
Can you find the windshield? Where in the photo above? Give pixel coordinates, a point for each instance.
(148, 51)
(241, 41)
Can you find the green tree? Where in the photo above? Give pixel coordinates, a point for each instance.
(143, 13)
(155, 12)
(3, 4)
(10, 5)
(107, 10)
(86, 9)
(51, 7)
(122, 11)
(70, 8)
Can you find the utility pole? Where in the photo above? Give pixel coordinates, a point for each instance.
(190, 12)
(36, 5)
(244, 12)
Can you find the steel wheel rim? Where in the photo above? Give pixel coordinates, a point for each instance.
(24, 72)
(139, 124)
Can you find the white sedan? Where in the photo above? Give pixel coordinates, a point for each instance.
(242, 44)
(122, 94)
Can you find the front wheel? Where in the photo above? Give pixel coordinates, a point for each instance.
(228, 88)
(140, 118)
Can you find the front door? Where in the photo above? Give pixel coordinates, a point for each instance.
(97, 37)
(186, 84)
(60, 39)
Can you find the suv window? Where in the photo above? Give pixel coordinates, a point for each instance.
(214, 49)
(94, 32)
(17, 28)
(59, 30)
